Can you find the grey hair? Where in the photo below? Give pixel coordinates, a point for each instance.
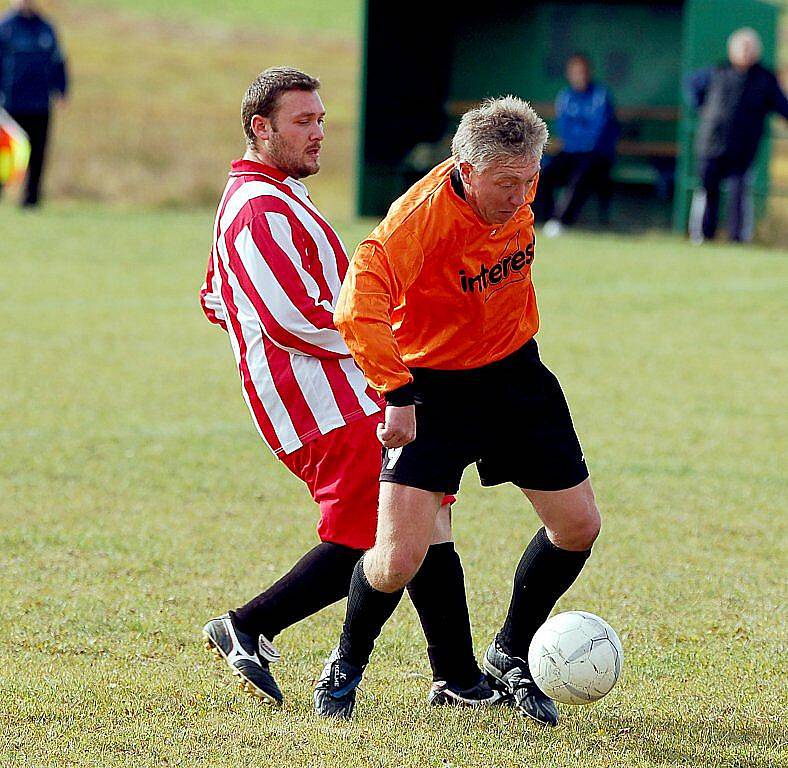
(499, 129)
(746, 35)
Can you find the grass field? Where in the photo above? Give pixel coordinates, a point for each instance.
(137, 502)
(338, 17)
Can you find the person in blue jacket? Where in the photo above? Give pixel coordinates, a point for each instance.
(587, 127)
(733, 101)
(32, 70)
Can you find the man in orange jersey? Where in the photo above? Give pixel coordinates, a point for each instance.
(439, 311)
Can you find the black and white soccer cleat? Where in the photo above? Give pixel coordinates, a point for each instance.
(480, 695)
(248, 657)
(511, 673)
(335, 690)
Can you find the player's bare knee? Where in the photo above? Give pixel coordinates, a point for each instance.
(385, 579)
(589, 527)
(394, 570)
(579, 530)
(392, 579)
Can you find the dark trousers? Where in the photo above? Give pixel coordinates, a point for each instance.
(581, 173)
(36, 126)
(704, 215)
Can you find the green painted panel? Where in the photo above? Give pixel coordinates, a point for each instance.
(635, 49)
(710, 22)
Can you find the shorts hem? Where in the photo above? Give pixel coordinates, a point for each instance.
(563, 486)
(423, 486)
(347, 541)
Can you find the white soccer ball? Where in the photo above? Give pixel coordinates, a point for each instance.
(575, 657)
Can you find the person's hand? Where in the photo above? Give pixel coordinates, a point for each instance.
(400, 426)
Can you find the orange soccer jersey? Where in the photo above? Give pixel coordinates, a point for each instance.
(433, 286)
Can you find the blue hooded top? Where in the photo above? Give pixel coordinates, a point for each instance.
(31, 64)
(586, 120)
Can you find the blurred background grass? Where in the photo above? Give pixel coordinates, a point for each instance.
(153, 119)
(324, 18)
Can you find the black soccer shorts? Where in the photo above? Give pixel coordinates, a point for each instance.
(510, 418)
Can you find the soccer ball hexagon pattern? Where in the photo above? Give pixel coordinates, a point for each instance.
(575, 657)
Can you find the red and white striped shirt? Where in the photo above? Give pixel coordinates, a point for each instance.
(273, 280)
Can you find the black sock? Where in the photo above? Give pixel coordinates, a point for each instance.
(438, 594)
(367, 612)
(319, 578)
(544, 573)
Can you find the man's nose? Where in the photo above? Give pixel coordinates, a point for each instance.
(318, 132)
(517, 198)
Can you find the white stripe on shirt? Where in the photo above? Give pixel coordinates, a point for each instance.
(257, 363)
(279, 304)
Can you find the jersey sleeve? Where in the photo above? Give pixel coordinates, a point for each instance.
(560, 113)
(210, 297)
(606, 127)
(3, 48)
(779, 103)
(375, 285)
(695, 86)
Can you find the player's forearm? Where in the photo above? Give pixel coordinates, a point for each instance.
(375, 351)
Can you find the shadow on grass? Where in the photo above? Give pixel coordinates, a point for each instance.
(691, 743)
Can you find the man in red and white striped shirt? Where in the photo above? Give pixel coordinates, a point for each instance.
(274, 275)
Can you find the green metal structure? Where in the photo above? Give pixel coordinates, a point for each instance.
(427, 62)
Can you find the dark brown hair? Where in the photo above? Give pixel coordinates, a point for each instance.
(262, 95)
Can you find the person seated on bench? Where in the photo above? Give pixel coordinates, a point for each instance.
(587, 126)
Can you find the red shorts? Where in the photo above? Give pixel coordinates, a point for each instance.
(342, 471)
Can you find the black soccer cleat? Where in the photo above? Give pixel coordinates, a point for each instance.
(335, 690)
(247, 657)
(480, 695)
(512, 674)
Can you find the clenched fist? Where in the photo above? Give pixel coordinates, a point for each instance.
(400, 426)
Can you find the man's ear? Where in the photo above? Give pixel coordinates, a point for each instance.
(262, 127)
(465, 172)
